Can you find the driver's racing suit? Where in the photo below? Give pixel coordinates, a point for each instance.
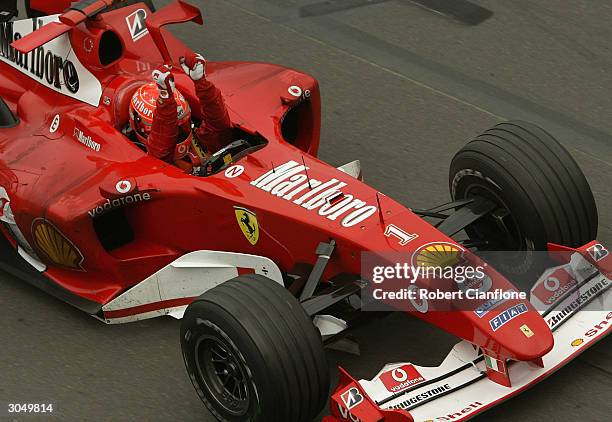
(213, 134)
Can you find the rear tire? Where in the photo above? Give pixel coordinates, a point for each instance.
(275, 368)
(534, 180)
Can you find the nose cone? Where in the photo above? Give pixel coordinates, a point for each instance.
(518, 332)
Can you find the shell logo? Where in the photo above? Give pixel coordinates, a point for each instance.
(438, 254)
(577, 342)
(55, 247)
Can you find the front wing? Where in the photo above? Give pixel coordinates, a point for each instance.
(459, 388)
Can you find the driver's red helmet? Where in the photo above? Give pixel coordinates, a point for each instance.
(142, 110)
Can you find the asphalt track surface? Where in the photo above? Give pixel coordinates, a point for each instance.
(403, 88)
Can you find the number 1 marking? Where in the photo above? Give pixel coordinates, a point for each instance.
(404, 237)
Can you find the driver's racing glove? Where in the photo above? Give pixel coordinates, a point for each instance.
(194, 65)
(164, 130)
(215, 131)
(164, 79)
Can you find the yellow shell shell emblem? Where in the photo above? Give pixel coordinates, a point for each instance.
(247, 221)
(438, 255)
(55, 247)
(577, 342)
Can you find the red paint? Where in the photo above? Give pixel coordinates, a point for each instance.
(149, 307)
(62, 179)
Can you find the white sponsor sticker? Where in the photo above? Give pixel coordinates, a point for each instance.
(291, 183)
(296, 91)
(598, 252)
(403, 236)
(234, 171)
(53, 65)
(86, 140)
(136, 23)
(123, 186)
(55, 124)
(351, 398)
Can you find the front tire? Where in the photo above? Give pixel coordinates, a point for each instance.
(541, 193)
(253, 354)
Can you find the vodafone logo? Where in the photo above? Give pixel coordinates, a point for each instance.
(295, 90)
(123, 186)
(399, 375)
(553, 285)
(401, 378)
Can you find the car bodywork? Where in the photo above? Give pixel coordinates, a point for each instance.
(458, 389)
(91, 218)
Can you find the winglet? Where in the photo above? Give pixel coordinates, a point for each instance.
(178, 12)
(47, 33)
(75, 15)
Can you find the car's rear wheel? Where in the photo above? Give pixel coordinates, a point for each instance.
(253, 354)
(540, 192)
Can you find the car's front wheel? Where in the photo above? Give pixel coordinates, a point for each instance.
(540, 192)
(253, 354)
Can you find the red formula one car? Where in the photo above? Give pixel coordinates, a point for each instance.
(261, 254)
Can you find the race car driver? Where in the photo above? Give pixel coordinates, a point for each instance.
(160, 117)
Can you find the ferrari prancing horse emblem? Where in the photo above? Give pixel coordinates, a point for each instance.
(247, 220)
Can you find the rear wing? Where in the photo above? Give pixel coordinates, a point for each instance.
(75, 15)
(177, 12)
(46, 7)
(459, 388)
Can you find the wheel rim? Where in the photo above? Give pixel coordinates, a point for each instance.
(499, 229)
(223, 375)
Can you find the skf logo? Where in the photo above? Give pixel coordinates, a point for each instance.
(401, 378)
(598, 252)
(247, 221)
(136, 24)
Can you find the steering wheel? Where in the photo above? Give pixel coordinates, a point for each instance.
(223, 158)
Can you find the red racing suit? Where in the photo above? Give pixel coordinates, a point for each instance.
(213, 134)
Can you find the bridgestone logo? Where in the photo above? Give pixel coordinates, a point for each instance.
(406, 384)
(584, 298)
(423, 396)
(290, 182)
(86, 140)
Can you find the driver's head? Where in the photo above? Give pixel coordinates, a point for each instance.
(142, 110)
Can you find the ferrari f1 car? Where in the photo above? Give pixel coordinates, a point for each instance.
(261, 255)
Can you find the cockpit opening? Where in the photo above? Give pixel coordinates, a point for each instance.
(7, 118)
